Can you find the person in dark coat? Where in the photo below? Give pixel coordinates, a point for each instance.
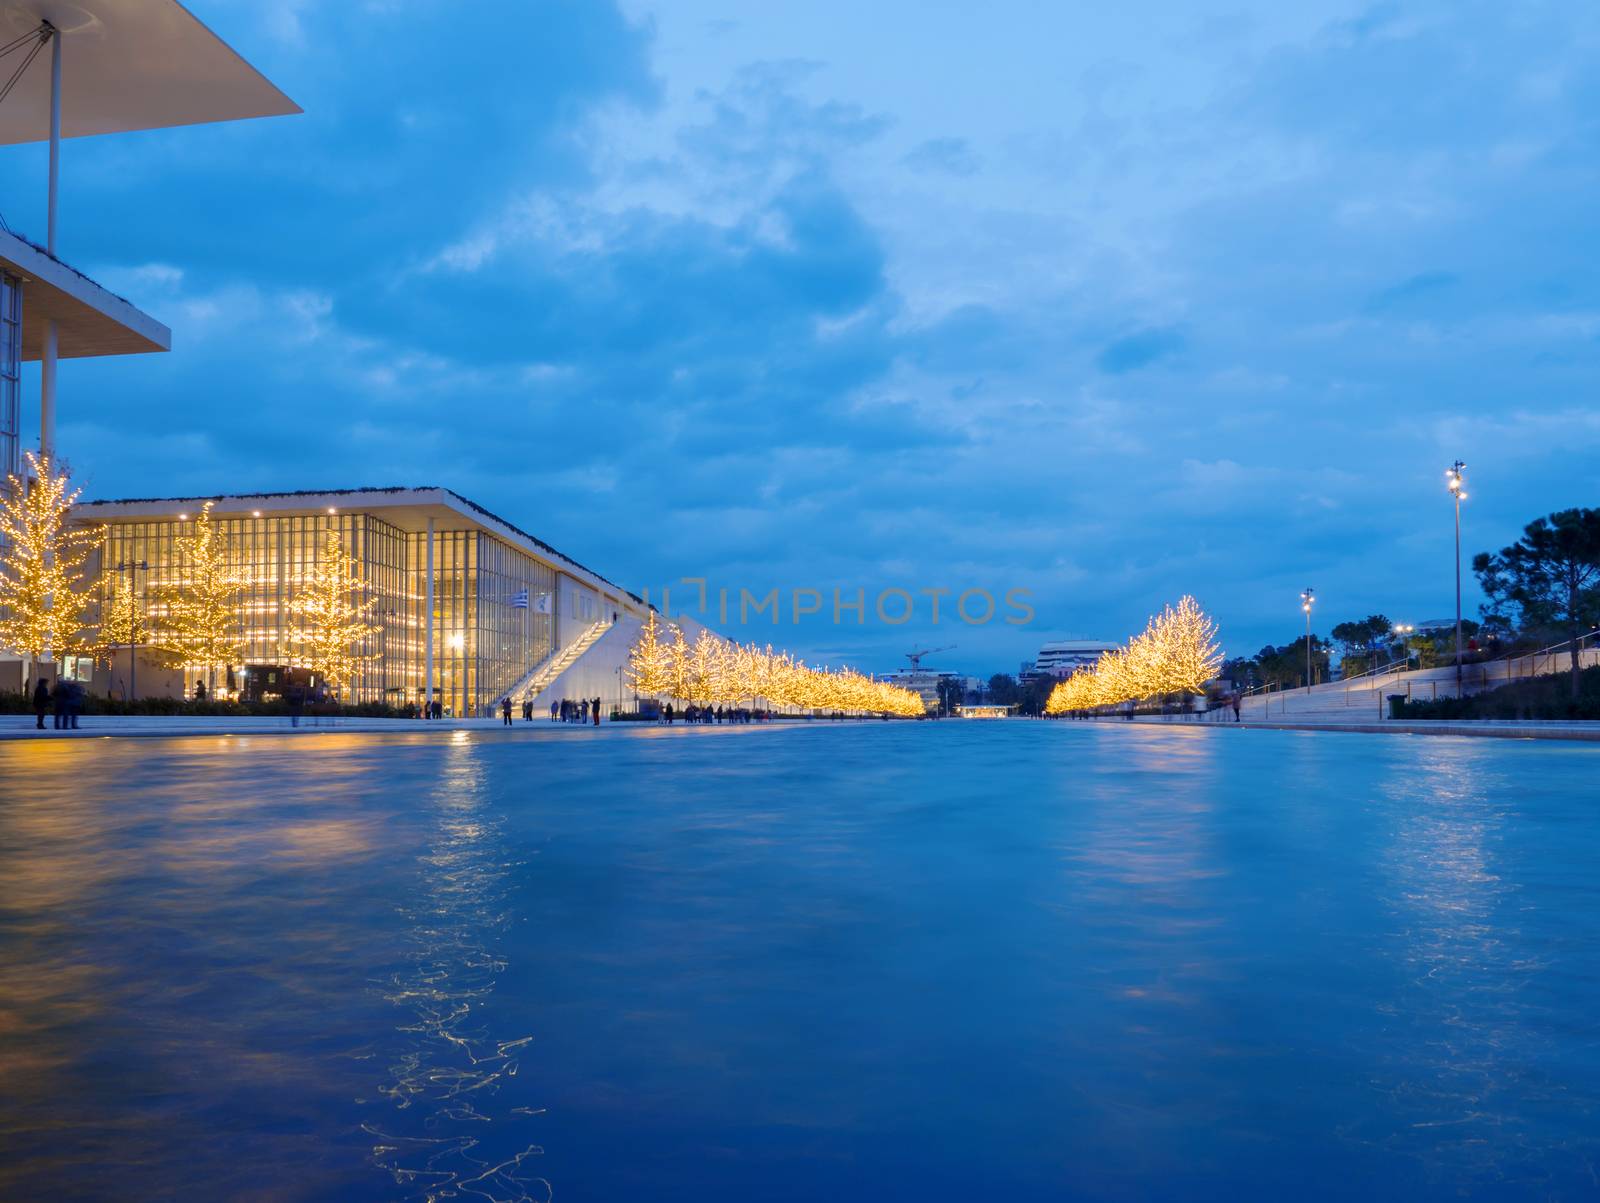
(595, 711)
(505, 711)
(75, 696)
(41, 702)
(59, 704)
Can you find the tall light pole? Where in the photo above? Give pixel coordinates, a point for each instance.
(1306, 599)
(130, 567)
(1456, 482)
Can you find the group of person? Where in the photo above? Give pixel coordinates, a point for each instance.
(584, 711)
(567, 711)
(64, 699)
(719, 714)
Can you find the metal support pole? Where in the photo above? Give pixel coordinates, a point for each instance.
(1308, 598)
(47, 394)
(55, 139)
(1458, 595)
(47, 373)
(133, 655)
(427, 672)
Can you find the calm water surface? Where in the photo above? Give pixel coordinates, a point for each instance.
(1009, 961)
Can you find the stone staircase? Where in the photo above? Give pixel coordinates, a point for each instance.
(1364, 699)
(552, 666)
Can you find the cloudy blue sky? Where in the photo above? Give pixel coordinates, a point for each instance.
(1105, 302)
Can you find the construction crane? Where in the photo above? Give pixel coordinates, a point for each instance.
(916, 657)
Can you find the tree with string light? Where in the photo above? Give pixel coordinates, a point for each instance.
(124, 623)
(649, 669)
(331, 614)
(199, 613)
(43, 565)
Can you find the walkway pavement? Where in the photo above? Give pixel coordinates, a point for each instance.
(91, 726)
(1483, 728)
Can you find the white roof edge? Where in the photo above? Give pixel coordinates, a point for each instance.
(363, 501)
(36, 264)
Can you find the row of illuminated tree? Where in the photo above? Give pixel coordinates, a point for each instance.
(1177, 653)
(708, 670)
(48, 605)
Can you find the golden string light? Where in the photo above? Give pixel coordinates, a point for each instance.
(331, 617)
(43, 605)
(201, 611)
(713, 671)
(1177, 652)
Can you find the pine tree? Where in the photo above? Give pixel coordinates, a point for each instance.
(43, 608)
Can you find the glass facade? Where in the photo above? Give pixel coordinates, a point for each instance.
(484, 641)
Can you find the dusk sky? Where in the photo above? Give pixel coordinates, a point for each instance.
(1105, 302)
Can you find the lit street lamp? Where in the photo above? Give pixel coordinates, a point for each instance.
(1404, 630)
(1306, 599)
(1456, 482)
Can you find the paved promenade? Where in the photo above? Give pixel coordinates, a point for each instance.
(1482, 728)
(20, 726)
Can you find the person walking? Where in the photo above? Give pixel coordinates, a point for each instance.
(41, 703)
(505, 710)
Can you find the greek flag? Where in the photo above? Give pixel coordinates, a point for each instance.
(543, 605)
(519, 600)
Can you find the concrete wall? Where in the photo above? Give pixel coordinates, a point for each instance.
(577, 608)
(595, 675)
(153, 677)
(600, 671)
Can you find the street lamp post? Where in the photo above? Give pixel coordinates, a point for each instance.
(1404, 630)
(1456, 482)
(130, 567)
(1306, 599)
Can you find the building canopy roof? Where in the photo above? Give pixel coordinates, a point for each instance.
(89, 319)
(406, 508)
(129, 65)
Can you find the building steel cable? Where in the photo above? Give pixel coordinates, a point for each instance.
(40, 37)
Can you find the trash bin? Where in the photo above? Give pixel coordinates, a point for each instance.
(1397, 702)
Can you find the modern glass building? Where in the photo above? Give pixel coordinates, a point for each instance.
(465, 605)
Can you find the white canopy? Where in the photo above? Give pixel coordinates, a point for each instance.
(127, 65)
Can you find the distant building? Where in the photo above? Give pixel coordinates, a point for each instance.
(985, 710)
(925, 683)
(1061, 658)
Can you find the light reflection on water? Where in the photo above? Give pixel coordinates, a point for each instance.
(1024, 961)
(448, 1069)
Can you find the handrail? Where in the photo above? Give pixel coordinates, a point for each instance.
(1379, 670)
